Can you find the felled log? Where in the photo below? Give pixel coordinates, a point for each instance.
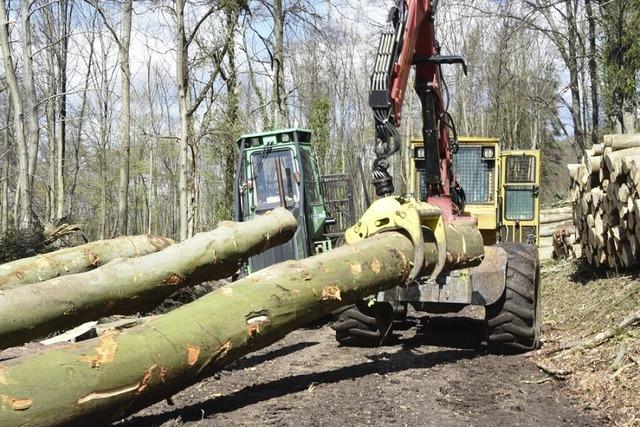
(622, 141)
(613, 161)
(547, 230)
(551, 217)
(606, 204)
(573, 170)
(78, 259)
(117, 374)
(127, 286)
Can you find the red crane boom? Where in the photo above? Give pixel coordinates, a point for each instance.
(409, 41)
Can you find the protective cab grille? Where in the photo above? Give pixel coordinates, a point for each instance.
(475, 175)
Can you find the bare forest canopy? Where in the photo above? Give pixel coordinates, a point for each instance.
(122, 116)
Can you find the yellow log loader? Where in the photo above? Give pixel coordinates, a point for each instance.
(469, 205)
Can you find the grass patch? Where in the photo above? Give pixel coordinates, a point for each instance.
(578, 302)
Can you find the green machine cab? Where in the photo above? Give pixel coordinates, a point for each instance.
(280, 168)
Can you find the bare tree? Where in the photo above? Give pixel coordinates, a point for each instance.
(4, 173)
(188, 109)
(123, 41)
(23, 193)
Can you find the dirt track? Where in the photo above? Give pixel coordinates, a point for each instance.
(433, 376)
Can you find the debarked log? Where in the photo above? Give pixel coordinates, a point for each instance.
(78, 259)
(130, 285)
(109, 377)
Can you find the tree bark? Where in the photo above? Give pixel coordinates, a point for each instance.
(127, 286)
(78, 259)
(232, 111)
(49, 30)
(125, 118)
(4, 175)
(280, 114)
(593, 73)
(182, 58)
(31, 109)
(62, 107)
(153, 361)
(572, 64)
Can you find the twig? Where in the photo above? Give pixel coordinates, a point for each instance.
(540, 381)
(559, 374)
(593, 341)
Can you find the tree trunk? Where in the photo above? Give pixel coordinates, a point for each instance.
(593, 73)
(78, 259)
(104, 138)
(50, 114)
(78, 138)
(4, 173)
(31, 110)
(127, 286)
(232, 113)
(125, 118)
(4, 177)
(572, 65)
(62, 107)
(182, 58)
(22, 204)
(281, 119)
(121, 372)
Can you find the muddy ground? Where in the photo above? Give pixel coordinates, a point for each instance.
(434, 375)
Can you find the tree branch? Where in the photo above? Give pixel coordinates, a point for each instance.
(194, 31)
(106, 22)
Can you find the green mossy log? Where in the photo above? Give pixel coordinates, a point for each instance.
(107, 378)
(78, 259)
(127, 286)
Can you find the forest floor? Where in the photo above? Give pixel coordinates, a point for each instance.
(437, 374)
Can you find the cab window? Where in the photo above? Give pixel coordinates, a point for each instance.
(265, 177)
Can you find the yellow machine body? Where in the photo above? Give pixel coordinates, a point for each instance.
(501, 187)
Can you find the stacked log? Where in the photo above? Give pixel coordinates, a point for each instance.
(554, 220)
(605, 194)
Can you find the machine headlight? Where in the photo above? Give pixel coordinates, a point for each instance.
(420, 153)
(488, 152)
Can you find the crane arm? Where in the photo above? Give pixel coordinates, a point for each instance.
(410, 40)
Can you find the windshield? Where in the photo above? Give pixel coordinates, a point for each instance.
(265, 177)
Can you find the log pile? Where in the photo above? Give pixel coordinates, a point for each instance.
(557, 236)
(121, 371)
(109, 377)
(605, 194)
(125, 286)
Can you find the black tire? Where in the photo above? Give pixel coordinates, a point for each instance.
(514, 320)
(361, 325)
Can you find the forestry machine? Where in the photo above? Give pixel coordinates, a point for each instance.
(461, 271)
(280, 168)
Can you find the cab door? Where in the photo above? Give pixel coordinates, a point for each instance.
(520, 204)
